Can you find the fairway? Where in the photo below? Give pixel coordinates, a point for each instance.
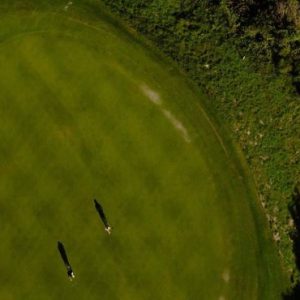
(89, 111)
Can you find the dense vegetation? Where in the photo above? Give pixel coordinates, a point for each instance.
(246, 56)
(269, 30)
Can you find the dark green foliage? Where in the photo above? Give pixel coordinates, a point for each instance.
(269, 30)
(245, 55)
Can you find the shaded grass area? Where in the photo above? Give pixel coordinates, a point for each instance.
(185, 217)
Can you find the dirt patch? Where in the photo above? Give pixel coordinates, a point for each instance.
(152, 95)
(177, 124)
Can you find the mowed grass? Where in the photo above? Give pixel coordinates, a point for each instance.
(87, 110)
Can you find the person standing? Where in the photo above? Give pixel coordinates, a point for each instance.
(103, 218)
(64, 257)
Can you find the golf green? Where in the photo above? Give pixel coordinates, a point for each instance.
(88, 110)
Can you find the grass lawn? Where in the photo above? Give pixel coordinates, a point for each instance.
(88, 110)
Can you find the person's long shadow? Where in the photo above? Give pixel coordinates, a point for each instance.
(294, 209)
(64, 257)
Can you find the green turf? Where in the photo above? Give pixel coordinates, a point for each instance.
(77, 122)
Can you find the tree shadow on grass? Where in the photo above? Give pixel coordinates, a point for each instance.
(294, 209)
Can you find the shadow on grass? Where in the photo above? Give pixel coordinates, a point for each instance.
(294, 209)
